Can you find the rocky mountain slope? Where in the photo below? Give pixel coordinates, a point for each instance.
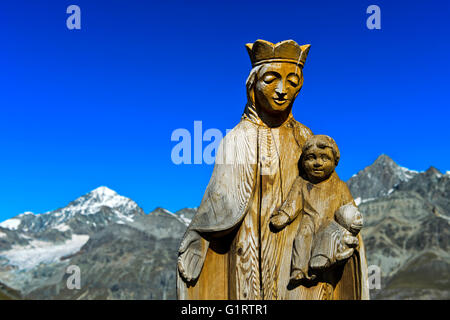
(121, 252)
(124, 253)
(406, 229)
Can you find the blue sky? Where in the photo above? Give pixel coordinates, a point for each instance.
(97, 106)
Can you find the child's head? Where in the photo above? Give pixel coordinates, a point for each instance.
(320, 156)
(350, 218)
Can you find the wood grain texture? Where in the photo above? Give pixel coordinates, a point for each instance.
(244, 282)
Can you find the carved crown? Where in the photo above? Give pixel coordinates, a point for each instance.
(262, 51)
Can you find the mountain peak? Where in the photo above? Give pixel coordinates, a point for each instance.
(83, 215)
(383, 162)
(383, 158)
(379, 179)
(100, 197)
(104, 192)
(433, 170)
(164, 212)
(26, 213)
(161, 211)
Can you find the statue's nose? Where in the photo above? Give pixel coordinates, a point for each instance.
(280, 90)
(281, 95)
(318, 163)
(359, 220)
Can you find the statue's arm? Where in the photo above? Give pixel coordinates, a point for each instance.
(293, 204)
(291, 207)
(225, 201)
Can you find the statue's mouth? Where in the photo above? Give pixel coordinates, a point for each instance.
(357, 224)
(354, 228)
(280, 101)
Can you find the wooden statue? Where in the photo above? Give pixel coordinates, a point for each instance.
(232, 249)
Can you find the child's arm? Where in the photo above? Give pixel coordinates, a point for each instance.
(291, 206)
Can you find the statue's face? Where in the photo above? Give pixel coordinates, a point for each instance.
(318, 163)
(277, 86)
(357, 222)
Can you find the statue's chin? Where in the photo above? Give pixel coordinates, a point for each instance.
(277, 110)
(318, 178)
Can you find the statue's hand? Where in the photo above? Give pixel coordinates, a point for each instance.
(190, 257)
(350, 240)
(349, 243)
(347, 253)
(280, 220)
(189, 265)
(298, 275)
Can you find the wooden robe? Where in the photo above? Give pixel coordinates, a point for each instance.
(247, 259)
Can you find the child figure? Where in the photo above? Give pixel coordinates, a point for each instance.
(318, 194)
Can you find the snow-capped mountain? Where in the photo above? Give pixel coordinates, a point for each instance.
(378, 179)
(84, 215)
(36, 248)
(406, 228)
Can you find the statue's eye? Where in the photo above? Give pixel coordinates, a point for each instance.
(269, 78)
(325, 158)
(293, 80)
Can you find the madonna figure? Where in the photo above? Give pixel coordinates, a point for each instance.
(230, 250)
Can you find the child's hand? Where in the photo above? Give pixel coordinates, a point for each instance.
(280, 220)
(350, 240)
(298, 275)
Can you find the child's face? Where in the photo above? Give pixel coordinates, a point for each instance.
(318, 163)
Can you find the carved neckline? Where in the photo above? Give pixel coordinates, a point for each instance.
(251, 115)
